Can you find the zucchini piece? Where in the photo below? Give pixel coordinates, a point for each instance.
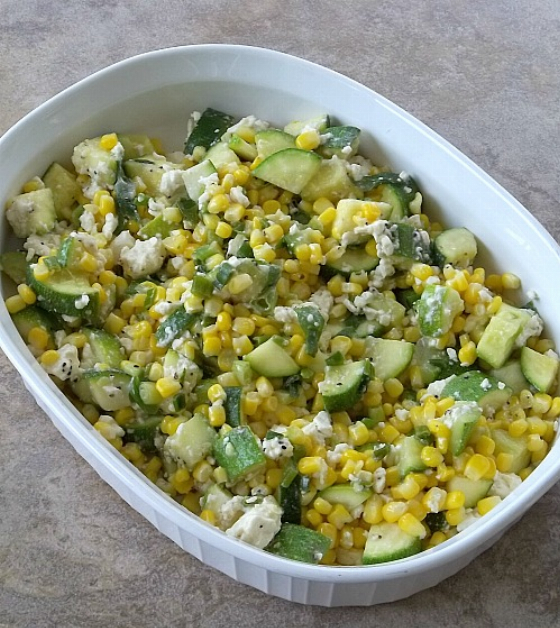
(289, 169)
(272, 360)
(242, 148)
(196, 176)
(353, 260)
(67, 293)
(145, 395)
(409, 459)
(357, 327)
(319, 123)
(474, 490)
(215, 498)
(346, 495)
(33, 316)
(297, 542)
(233, 405)
(344, 385)
(208, 129)
(32, 213)
(136, 145)
(341, 141)
(289, 492)
(395, 189)
(539, 369)
(65, 190)
(312, 323)
(173, 326)
(456, 246)
(14, 264)
(437, 309)
(101, 348)
(159, 227)
(463, 416)
(498, 339)
(409, 244)
(387, 542)
(239, 453)
(271, 141)
(125, 197)
(515, 446)
(389, 357)
(144, 431)
(109, 388)
(222, 155)
(150, 169)
(192, 441)
(512, 375)
(482, 388)
(331, 181)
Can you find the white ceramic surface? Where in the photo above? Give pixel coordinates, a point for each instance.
(155, 93)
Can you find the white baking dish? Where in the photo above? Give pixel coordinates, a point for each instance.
(155, 93)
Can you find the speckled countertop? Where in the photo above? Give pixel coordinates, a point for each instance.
(485, 75)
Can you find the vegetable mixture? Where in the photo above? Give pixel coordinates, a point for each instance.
(269, 327)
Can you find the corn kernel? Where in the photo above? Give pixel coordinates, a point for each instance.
(393, 511)
(109, 141)
(15, 304)
(339, 516)
(409, 523)
(486, 504)
(166, 386)
(308, 140)
(454, 500)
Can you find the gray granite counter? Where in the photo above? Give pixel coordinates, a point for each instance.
(485, 75)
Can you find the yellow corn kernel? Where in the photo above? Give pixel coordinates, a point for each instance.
(308, 140)
(274, 233)
(15, 304)
(511, 281)
(38, 338)
(216, 415)
(109, 141)
(224, 230)
(50, 357)
(358, 434)
(322, 506)
(114, 324)
(393, 387)
(27, 294)
(373, 510)
(486, 504)
(476, 467)
(314, 518)
(485, 445)
(308, 465)
(389, 433)
(435, 499)
(216, 393)
(407, 489)
(243, 326)
(218, 203)
(123, 415)
(250, 403)
(107, 205)
(211, 346)
(421, 271)
(209, 516)
(411, 525)
(467, 353)
(33, 185)
(454, 500)
(202, 471)
(393, 511)
(518, 427)
(392, 476)
(339, 516)
(330, 531)
(167, 386)
(455, 516)
(431, 456)
(242, 345)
